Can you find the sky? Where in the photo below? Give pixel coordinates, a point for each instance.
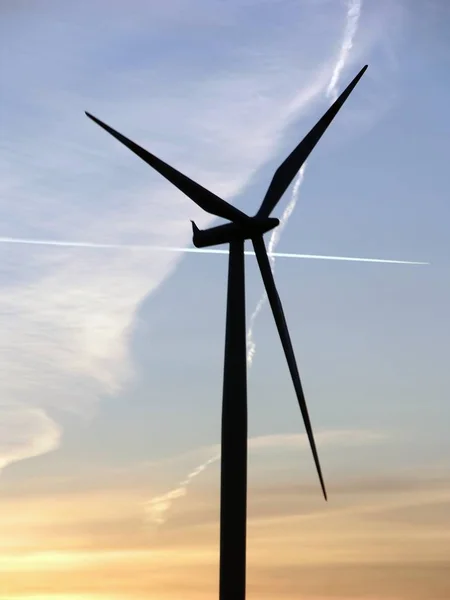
(111, 353)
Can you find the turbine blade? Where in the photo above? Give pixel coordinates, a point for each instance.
(202, 197)
(277, 310)
(291, 166)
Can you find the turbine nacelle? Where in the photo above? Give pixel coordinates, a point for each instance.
(230, 232)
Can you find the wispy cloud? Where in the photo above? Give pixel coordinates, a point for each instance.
(157, 509)
(25, 432)
(351, 27)
(66, 313)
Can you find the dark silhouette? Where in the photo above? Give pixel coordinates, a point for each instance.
(233, 508)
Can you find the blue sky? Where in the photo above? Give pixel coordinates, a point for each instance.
(112, 358)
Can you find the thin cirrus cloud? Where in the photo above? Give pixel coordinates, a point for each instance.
(65, 313)
(157, 509)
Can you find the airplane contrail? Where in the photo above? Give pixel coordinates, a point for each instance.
(144, 247)
(352, 20)
(159, 505)
(351, 27)
(274, 238)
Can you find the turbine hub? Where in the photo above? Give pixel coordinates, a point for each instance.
(224, 234)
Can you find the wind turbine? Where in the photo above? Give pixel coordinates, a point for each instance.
(233, 509)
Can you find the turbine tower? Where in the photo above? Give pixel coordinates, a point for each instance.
(233, 499)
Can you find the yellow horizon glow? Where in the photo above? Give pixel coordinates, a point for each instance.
(97, 545)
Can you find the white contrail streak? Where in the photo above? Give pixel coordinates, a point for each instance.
(351, 27)
(157, 507)
(150, 248)
(353, 14)
(251, 346)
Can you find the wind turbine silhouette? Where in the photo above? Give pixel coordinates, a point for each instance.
(233, 508)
